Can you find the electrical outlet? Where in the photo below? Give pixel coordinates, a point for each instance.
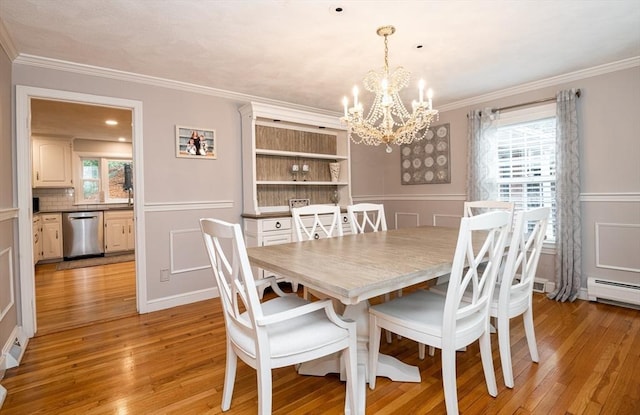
(164, 275)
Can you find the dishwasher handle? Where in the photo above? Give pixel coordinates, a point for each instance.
(83, 218)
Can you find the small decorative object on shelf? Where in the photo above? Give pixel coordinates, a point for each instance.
(305, 171)
(295, 203)
(334, 169)
(294, 172)
(335, 197)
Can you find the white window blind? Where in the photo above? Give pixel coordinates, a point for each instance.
(527, 162)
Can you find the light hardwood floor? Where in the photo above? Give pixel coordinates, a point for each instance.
(82, 296)
(172, 362)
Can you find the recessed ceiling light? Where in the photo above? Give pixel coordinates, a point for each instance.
(335, 9)
(122, 139)
(111, 122)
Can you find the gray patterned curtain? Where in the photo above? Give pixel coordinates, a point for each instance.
(568, 229)
(482, 157)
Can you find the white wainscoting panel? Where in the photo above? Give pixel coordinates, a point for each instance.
(187, 251)
(6, 281)
(407, 220)
(450, 221)
(618, 246)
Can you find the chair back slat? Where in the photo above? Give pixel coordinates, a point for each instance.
(367, 217)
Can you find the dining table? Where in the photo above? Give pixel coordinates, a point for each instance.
(355, 268)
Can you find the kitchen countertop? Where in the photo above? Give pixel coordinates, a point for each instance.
(92, 209)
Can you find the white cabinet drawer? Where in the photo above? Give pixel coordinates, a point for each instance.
(258, 226)
(269, 225)
(276, 239)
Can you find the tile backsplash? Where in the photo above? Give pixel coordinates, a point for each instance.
(63, 199)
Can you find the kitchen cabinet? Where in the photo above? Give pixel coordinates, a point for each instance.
(37, 240)
(51, 225)
(51, 163)
(119, 232)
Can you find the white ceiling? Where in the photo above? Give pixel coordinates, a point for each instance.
(304, 52)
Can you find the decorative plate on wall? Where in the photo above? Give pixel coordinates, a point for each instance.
(435, 168)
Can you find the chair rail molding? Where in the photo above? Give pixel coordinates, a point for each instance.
(182, 206)
(610, 197)
(8, 214)
(444, 197)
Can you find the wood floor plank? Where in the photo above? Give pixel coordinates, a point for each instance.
(172, 362)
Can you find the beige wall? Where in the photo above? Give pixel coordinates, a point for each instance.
(8, 215)
(178, 191)
(610, 170)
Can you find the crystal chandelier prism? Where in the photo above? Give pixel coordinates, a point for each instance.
(388, 121)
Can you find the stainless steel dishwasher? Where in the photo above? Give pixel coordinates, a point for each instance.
(82, 234)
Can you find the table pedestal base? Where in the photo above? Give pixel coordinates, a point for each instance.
(388, 366)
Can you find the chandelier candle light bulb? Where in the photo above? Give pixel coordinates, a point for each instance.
(388, 121)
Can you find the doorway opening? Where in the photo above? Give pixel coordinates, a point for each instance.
(25, 97)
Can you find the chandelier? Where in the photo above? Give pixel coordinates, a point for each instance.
(388, 121)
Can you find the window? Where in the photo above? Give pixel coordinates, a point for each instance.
(104, 180)
(90, 180)
(527, 160)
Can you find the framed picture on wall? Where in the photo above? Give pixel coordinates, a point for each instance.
(427, 161)
(197, 143)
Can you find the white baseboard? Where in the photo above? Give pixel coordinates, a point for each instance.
(181, 299)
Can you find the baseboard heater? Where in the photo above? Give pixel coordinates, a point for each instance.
(624, 292)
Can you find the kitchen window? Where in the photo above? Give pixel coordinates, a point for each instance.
(527, 160)
(105, 180)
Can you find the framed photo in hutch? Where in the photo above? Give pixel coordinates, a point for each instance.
(197, 143)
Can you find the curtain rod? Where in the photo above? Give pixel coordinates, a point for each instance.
(540, 101)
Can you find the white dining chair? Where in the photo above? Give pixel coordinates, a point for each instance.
(284, 331)
(366, 217)
(448, 323)
(470, 209)
(513, 295)
(315, 222)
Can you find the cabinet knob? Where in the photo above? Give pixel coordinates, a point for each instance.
(345, 219)
(278, 225)
(316, 236)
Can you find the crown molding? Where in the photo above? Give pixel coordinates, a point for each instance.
(544, 83)
(6, 43)
(66, 66)
(56, 64)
